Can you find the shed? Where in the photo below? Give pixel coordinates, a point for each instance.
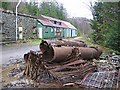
(49, 27)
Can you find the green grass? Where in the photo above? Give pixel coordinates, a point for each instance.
(88, 41)
(110, 51)
(29, 41)
(34, 41)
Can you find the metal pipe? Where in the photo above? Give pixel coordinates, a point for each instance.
(17, 17)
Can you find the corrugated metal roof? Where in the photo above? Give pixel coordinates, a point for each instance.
(48, 23)
(69, 25)
(64, 24)
(50, 18)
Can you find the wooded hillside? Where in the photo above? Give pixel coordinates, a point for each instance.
(106, 21)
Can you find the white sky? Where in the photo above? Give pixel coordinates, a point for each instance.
(78, 8)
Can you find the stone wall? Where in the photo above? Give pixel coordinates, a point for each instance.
(27, 23)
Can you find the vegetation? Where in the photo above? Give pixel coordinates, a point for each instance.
(34, 41)
(53, 9)
(82, 24)
(106, 24)
(5, 5)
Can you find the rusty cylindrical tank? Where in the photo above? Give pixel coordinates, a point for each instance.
(89, 52)
(60, 54)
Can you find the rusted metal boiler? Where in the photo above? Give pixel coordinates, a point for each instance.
(64, 53)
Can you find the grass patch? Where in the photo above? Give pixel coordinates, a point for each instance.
(34, 41)
(29, 41)
(88, 41)
(110, 51)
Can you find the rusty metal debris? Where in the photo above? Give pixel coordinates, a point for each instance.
(67, 66)
(63, 64)
(106, 79)
(62, 73)
(72, 71)
(63, 53)
(70, 66)
(35, 69)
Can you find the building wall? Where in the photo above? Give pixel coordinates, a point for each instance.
(70, 33)
(62, 32)
(65, 33)
(9, 29)
(49, 33)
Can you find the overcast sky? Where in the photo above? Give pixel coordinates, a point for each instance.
(78, 8)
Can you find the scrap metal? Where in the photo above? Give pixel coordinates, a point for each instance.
(35, 69)
(71, 71)
(62, 64)
(106, 79)
(64, 53)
